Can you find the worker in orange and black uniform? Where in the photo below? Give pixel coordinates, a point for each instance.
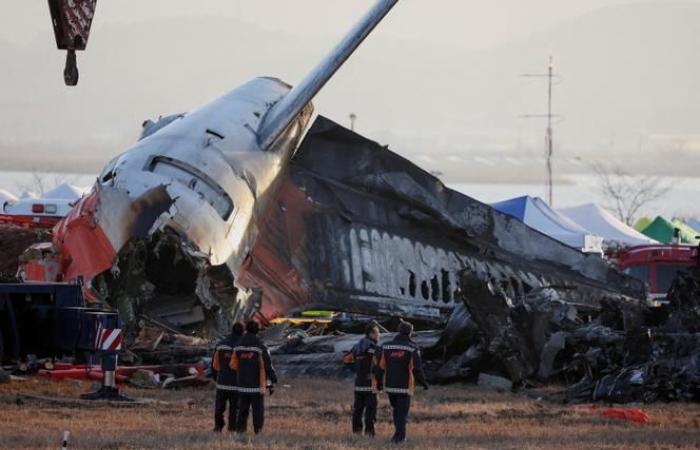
(362, 359)
(226, 378)
(252, 361)
(399, 367)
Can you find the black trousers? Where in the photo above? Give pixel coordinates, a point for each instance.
(223, 397)
(245, 402)
(365, 404)
(400, 404)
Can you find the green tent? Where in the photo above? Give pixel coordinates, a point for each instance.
(642, 223)
(692, 233)
(662, 230)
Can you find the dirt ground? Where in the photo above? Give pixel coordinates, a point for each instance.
(314, 414)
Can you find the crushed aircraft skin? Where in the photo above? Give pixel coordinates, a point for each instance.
(624, 352)
(169, 221)
(526, 333)
(357, 228)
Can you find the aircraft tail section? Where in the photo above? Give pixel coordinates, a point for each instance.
(283, 113)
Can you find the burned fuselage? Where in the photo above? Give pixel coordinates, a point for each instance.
(349, 226)
(355, 227)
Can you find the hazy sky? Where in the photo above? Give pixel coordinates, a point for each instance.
(438, 79)
(468, 24)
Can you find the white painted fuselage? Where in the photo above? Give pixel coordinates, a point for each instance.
(211, 164)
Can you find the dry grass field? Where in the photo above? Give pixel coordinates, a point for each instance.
(314, 414)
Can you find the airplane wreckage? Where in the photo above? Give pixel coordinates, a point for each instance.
(226, 213)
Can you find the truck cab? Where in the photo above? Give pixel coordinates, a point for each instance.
(658, 266)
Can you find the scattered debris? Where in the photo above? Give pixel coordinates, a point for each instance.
(635, 415)
(145, 379)
(622, 351)
(297, 355)
(154, 376)
(189, 381)
(494, 382)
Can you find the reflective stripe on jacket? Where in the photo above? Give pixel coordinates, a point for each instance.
(253, 364)
(221, 363)
(362, 358)
(399, 366)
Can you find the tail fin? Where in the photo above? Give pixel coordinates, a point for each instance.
(280, 116)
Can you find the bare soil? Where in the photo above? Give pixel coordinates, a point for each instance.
(315, 414)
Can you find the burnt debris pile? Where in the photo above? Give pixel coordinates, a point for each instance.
(621, 351)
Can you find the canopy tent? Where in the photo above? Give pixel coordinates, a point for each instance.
(642, 223)
(662, 230)
(693, 223)
(692, 232)
(27, 195)
(596, 220)
(6, 196)
(535, 213)
(64, 191)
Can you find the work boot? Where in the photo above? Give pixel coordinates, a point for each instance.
(396, 440)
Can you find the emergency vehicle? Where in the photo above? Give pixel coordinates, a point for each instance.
(658, 265)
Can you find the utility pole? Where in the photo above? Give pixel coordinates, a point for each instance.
(549, 136)
(353, 116)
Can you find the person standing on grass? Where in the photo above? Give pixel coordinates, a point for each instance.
(362, 359)
(226, 378)
(251, 360)
(399, 367)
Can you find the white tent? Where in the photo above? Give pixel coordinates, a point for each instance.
(6, 196)
(55, 203)
(535, 213)
(64, 191)
(599, 221)
(27, 195)
(694, 224)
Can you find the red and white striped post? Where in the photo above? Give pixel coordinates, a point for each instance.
(108, 342)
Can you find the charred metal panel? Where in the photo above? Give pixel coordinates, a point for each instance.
(355, 227)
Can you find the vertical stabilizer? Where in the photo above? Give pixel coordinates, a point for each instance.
(283, 113)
